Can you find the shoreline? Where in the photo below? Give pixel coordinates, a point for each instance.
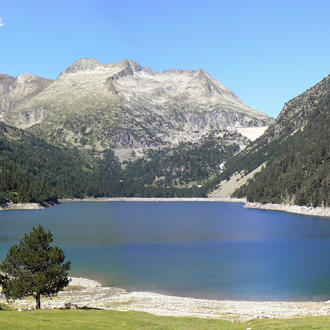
(37, 206)
(21, 206)
(153, 199)
(86, 293)
(303, 210)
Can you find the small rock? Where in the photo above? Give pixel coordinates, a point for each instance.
(70, 305)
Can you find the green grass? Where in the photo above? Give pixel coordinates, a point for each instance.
(98, 319)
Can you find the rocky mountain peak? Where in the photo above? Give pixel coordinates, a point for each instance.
(129, 67)
(27, 78)
(129, 64)
(84, 64)
(91, 64)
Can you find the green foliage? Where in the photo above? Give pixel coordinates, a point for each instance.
(34, 268)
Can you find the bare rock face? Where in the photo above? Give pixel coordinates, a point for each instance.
(123, 106)
(14, 90)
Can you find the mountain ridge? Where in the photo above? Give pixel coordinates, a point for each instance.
(124, 107)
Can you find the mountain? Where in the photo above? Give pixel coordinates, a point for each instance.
(294, 151)
(14, 90)
(124, 107)
(119, 130)
(123, 130)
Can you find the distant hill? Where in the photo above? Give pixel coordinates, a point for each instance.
(296, 151)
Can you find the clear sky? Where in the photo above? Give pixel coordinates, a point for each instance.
(265, 51)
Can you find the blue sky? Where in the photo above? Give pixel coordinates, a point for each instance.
(265, 51)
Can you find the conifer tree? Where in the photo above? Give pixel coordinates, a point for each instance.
(34, 268)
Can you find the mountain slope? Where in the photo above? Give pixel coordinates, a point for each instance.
(296, 149)
(188, 164)
(301, 174)
(31, 170)
(124, 107)
(14, 90)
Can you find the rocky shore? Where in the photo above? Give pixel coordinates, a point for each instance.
(306, 210)
(85, 293)
(21, 206)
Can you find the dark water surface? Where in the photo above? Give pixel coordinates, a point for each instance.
(196, 249)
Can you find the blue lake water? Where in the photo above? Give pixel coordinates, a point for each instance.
(195, 249)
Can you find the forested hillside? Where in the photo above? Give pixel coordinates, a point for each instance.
(298, 159)
(187, 164)
(31, 170)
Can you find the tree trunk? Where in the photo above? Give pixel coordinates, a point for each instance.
(38, 302)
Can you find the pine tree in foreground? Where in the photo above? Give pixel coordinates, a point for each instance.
(34, 268)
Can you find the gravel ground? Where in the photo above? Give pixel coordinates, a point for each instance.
(84, 293)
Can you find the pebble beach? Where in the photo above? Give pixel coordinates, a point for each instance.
(84, 293)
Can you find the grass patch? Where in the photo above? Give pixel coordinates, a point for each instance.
(100, 319)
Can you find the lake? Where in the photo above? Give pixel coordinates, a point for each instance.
(196, 249)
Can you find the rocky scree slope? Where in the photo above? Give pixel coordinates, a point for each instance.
(297, 151)
(125, 107)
